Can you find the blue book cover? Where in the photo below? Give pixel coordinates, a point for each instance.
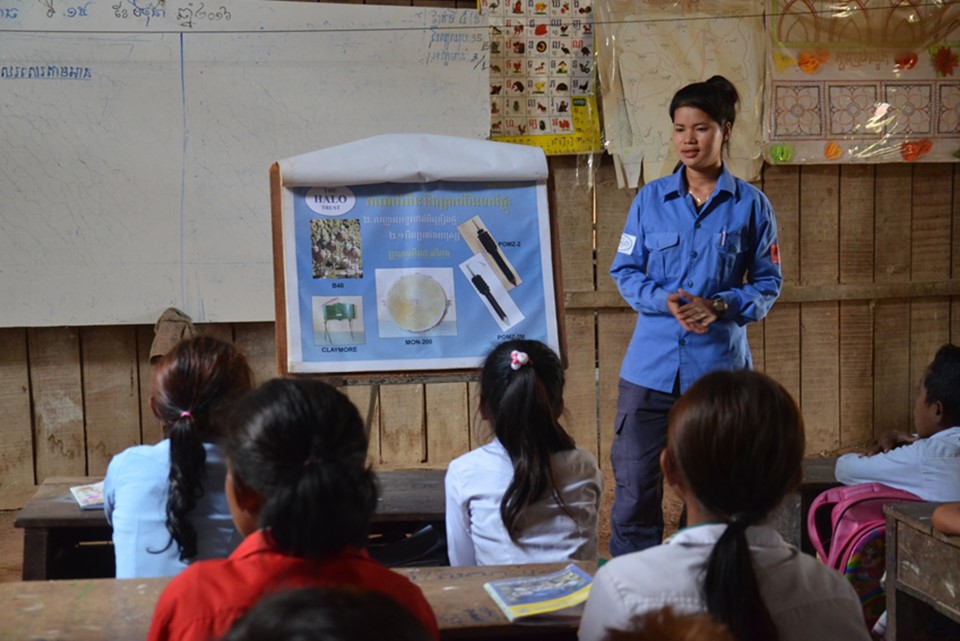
(558, 593)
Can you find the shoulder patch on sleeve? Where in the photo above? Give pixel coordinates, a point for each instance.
(627, 243)
(774, 253)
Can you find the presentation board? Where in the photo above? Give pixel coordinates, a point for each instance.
(137, 138)
(411, 252)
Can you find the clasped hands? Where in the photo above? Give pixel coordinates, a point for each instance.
(692, 312)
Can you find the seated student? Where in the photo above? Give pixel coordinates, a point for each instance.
(926, 463)
(166, 501)
(328, 614)
(735, 445)
(301, 492)
(529, 495)
(946, 518)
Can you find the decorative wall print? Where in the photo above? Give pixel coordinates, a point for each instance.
(863, 81)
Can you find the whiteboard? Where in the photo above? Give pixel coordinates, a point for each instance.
(136, 139)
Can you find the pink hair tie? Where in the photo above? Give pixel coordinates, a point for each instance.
(518, 359)
(186, 414)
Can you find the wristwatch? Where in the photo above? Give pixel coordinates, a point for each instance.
(719, 306)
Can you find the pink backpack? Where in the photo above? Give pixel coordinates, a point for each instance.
(847, 528)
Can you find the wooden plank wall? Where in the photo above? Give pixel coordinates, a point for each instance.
(870, 258)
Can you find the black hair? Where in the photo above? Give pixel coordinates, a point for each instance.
(300, 445)
(737, 440)
(524, 406)
(190, 385)
(328, 614)
(716, 97)
(942, 380)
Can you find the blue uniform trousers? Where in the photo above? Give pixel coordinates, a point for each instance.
(636, 519)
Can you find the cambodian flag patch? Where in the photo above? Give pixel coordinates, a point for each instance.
(775, 254)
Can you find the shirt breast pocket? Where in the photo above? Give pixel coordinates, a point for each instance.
(733, 253)
(663, 249)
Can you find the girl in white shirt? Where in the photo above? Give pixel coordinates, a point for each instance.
(529, 495)
(735, 445)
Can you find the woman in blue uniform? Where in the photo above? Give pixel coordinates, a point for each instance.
(698, 260)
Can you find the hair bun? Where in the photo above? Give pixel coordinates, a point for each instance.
(721, 85)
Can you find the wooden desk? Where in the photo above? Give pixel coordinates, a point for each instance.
(923, 572)
(120, 610)
(62, 541)
(790, 519)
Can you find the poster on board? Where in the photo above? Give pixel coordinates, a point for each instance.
(411, 252)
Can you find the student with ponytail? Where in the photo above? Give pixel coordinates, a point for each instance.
(166, 501)
(529, 495)
(735, 445)
(302, 494)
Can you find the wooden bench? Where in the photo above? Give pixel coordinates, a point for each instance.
(121, 609)
(923, 574)
(62, 541)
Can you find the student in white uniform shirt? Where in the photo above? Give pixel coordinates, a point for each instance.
(927, 462)
(735, 445)
(529, 495)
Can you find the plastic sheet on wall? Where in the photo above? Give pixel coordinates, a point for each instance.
(863, 81)
(648, 49)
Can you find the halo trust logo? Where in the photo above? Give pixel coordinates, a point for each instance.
(331, 201)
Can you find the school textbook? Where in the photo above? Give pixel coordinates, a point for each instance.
(90, 496)
(545, 598)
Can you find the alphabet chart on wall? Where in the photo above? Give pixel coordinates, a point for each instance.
(542, 74)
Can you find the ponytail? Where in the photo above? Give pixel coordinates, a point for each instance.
(187, 470)
(320, 508)
(521, 391)
(730, 590)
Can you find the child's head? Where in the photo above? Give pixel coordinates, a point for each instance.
(297, 467)
(665, 625)
(191, 385)
(735, 447)
(737, 441)
(521, 395)
(195, 377)
(328, 614)
(516, 374)
(938, 398)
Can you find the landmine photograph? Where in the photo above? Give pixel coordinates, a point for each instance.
(336, 248)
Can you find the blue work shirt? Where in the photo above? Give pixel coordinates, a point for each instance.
(728, 249)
